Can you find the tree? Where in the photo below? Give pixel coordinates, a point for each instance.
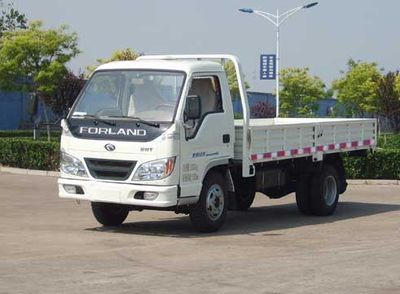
(124, 54)
(11, 19)
(36, 55)
(397, 83)
(300, 92)
(329, 93)
(262, 110)
(357, 89)
(388, 99)
(232, 80)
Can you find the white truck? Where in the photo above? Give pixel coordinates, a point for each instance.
(159, 133)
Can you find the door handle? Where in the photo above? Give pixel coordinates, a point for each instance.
(226, 138)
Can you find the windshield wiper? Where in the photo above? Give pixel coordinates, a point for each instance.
(138, 119)
(97, 119)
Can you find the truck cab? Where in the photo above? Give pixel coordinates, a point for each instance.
(144, 133)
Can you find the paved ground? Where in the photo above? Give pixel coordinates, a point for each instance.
(49, 245)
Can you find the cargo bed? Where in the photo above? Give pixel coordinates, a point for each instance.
(284, 138)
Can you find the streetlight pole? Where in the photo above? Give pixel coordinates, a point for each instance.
(277, 20)
(278, 74)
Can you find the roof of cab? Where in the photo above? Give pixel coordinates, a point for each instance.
(188, 66)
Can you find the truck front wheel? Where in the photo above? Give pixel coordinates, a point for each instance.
(208, 215)
(109, 214)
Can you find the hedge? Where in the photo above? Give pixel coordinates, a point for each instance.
(26, 153)
(382, 164)
(389, 141)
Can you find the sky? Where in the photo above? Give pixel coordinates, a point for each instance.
(321, 38)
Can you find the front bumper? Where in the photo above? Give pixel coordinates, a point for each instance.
(122, 193)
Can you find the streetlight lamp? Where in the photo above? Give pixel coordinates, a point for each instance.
(277, 20)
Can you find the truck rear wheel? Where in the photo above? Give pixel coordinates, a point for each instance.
(208, 215)
(109, 214)
(324, 191)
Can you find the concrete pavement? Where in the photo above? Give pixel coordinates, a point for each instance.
(49, 245)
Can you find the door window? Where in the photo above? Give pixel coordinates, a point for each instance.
(208, 89)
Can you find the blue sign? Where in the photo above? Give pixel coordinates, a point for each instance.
(267, 67)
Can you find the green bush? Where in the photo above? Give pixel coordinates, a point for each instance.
(389, 141)
(382, 164)
(26, 153)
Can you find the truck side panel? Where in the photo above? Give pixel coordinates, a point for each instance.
(315, 137)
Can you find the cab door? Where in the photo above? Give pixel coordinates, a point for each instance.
(208, 140)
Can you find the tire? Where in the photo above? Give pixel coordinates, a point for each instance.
(303, 194)
(209, 214)
(324, 191)
(109, 214)
(245, 191)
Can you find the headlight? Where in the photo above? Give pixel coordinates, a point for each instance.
(155, 170)
(71, 165)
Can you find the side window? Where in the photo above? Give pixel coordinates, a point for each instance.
(208, 90)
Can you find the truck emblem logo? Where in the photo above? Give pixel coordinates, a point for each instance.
(109, 147)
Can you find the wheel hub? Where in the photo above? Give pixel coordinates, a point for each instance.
(215, 202)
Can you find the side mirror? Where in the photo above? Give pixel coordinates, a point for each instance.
(64, 125)
(33, 104)
(193, 107)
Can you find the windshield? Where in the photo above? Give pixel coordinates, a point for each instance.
(142, 94)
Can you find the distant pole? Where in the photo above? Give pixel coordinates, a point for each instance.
(277, 20)
(278, 75)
